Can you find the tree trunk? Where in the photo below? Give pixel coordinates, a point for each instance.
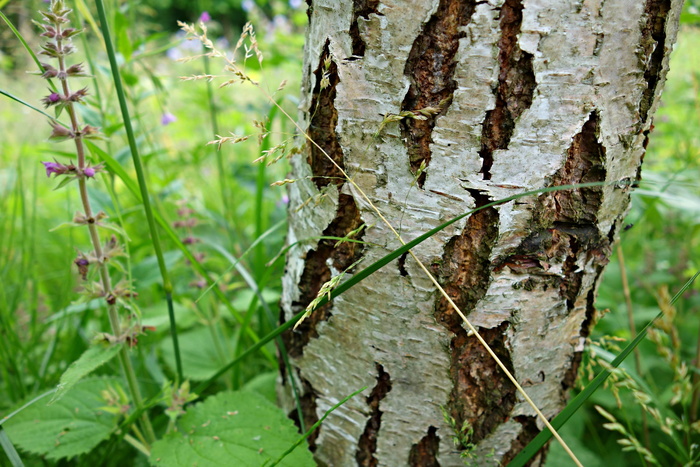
(518, 95)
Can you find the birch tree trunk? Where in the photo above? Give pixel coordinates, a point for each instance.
(518, 95)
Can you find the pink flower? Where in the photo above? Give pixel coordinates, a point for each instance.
(167, 118)
(89, 172)
(204, 17)
(51, 99)
(54, 168)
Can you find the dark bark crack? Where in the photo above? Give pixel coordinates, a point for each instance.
(430, 67)
(307, 401)
(324, 119)
(361, 9)
(482, 395)
(425, 452)
(652, 50)
(317, 271)
(527, 433)
(367, 444)
(516, 87)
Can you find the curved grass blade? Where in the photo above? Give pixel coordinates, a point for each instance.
(316, 425)
(118, 170)
(27, 104)
(29, 50)
(10, 450)
(369, 270)
(536, 444)
(143, 186)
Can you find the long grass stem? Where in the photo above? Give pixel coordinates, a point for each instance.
(138, 166)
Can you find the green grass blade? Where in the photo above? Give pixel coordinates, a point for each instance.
(369, 270)
(118, 170)
(27, 104)
(9, 449)
(316, 425)
(29, 50)
(143, 186)
(536, 444)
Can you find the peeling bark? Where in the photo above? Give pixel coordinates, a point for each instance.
(516, 85)
(430, 68)
(531, 94)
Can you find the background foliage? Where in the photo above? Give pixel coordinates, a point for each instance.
(222, 203)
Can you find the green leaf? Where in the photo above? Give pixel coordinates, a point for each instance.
(89, 361)
(200, 359)
(72, 426)
(231, 428)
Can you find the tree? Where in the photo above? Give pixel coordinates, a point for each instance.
(434, 108)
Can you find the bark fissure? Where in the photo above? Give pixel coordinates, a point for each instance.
(361, 9)
(430, 68)
(317, 271)
(317, 266)
(516, 87)
(652, 51)
(482, 395)
(367, 445)
(425, 452)
(307, 401)
(527, 433)
(322, 125)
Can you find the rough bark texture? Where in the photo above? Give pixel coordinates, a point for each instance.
(529, 94)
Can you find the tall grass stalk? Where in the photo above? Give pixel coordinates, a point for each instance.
(145, 197)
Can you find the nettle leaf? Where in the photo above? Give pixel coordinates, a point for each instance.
(89, 361)
(72, 426)
(231, 428)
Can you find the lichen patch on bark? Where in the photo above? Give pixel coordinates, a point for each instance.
(516, 86)
(424, 453)
(430, 68)
(367, 445)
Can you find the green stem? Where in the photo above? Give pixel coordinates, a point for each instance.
(101, 264)
(167, 285)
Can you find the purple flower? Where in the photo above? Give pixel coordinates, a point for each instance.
(53, 168)
(51, 99)
(204, 17)
(295, 3)
(89, 172)
(167, 118)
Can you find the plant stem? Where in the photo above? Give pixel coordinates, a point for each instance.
(145, 197)
(633, 334)
(97, 246)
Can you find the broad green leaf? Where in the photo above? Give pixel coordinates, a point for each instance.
(264, 385)
(200, 359)
(70, 427)
(231, 428)
(89, 361)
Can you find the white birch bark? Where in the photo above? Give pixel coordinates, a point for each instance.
(543, 93)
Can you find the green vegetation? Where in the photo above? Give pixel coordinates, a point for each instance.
(222, 227)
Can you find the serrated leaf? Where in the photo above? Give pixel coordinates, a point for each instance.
(72, 426)
(231, 428)
(89, 361)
